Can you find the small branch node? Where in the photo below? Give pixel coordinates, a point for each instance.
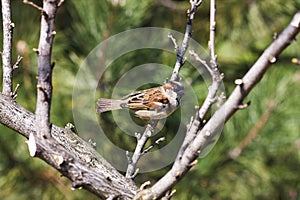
(134, 174)
(12, 25)
(169, 195)
(92, 143)
(70, 127)
(176, 47)
(177, 174)
(275, 36)
(14, 93)
(222, 75)
(239, 81)
(145, 185)
(128, 156)
(35, 6)
(207, 133)
(272, 59)
(193, 164)
(138, 135)
(155, 143)
(245, 105)
(295, 61)
(36, 50)
(58, 159)
(60, 3)
(16, 65)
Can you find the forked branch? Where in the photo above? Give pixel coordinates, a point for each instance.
(141, 141)
(213, 126)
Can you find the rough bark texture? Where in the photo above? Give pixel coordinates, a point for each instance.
(44, 86)
(69, 154)
(205, 136)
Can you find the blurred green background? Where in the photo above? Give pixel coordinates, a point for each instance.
(269, 165)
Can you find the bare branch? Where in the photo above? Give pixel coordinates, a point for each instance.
(60, 2)
(188, 33)
(44, 86)
(138, 152)
(34, 5)
(212, 127)
(14, 93)
(16, 65)
(7, 48)
(176, 47)
(211, 43)
(253, 132)
(69, 154)
(155, 143)
(217, 78)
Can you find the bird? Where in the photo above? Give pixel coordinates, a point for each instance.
(150, 104)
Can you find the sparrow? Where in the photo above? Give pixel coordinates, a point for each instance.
(154, 103)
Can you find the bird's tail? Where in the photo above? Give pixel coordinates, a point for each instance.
(108, 104)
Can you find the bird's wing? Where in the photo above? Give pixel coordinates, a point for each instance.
(151, 99)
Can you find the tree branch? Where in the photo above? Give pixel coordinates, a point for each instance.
(7, 48)
(217, 78)
(236, 152)
(44, 85)
(138, 152)
(141, 141)
(69, 154)
(213, 126)
(188, 33)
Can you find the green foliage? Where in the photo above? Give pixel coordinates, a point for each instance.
(268, 166)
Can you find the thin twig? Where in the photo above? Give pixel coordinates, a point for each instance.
(211, 98)
(213, 126)
(155, 143)
(132, 162)
(8, 26)
(14, 93)
(176, 47)
(60, 2)
(138, 152)
(253, 132)
(211, 43)
(34, 5)
(188, 33)
(16, 65)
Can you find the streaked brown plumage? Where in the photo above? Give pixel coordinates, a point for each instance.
(153, 103)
